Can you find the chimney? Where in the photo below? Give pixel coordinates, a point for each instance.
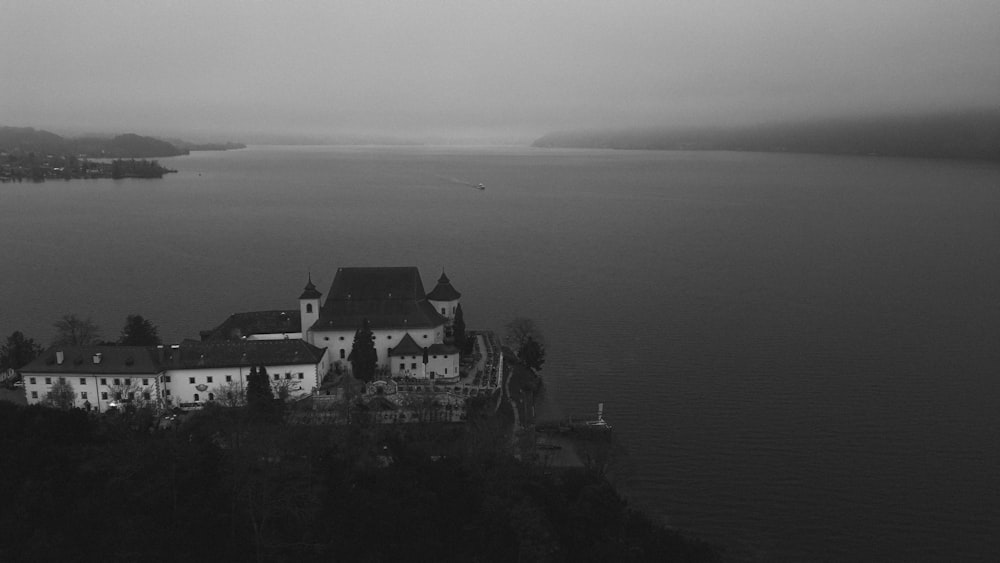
(97, 357)
(59, 357)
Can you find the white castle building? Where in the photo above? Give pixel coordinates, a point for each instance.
(298, 347)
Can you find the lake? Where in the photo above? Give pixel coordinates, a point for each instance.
(799, 352)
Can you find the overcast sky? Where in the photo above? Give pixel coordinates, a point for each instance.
(477, 67)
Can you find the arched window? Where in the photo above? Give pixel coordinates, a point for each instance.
(309, 307)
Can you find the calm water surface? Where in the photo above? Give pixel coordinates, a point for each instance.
(801, 353)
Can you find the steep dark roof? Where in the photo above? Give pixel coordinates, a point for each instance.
(386, 297)
(191, 354)
(443, 291)
(310, 291)
(442, 349)
(407, 347)
(239, 325)
(80, 360)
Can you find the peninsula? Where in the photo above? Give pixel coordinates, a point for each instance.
(366, 426)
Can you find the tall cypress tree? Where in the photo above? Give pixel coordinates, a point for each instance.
(259, 396)
(363, 357)
(458, 328)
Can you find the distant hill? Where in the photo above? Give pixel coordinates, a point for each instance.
(30, 140)
(129, 145)
(27, 139)
(971, 135)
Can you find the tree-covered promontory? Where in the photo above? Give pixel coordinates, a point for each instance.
(225, 485)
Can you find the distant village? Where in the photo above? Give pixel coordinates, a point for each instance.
(33, 168)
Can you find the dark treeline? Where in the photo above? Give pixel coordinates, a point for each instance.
(971, 135)
(227, 485)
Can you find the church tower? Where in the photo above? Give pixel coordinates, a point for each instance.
(309, 303)
(444, 297)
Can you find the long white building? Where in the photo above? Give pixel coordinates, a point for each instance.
(189, 374)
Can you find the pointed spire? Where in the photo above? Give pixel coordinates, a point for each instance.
(444, 291)
(310, 291)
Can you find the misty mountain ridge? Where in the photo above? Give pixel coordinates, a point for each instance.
(128, 145)
(965, 135)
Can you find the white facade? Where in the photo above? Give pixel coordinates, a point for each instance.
(438, 366)
(339, 342)
(195, 387)
(96, 390)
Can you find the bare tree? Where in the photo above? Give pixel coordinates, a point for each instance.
(126, 392)
(232, 394)
(71, 330)
(61, 395)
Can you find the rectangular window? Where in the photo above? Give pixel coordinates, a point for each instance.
(288, 375)
(341, 353)
(145, 382)
(118, 396)
(146, 396)
(32, 380)
(48, 381)
(34, 394)
(62, 380)
(190, 380)
(166, 379)
(167, 393)
(209, 379)
(402, 367)
(118, 381)
(104, 381)
(104, 395)
(83, 381)
(229, 379)
(196, 398)
(302, 375)
(277, 376)
(83, 395)
(446, 371)
(413, 366)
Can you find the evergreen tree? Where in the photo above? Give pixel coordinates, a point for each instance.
(363, 357)
(259, 397)
(532, 353)
(18, 351)
(458, 328)
(139, 332)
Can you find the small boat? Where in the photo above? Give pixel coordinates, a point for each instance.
(480, 186)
